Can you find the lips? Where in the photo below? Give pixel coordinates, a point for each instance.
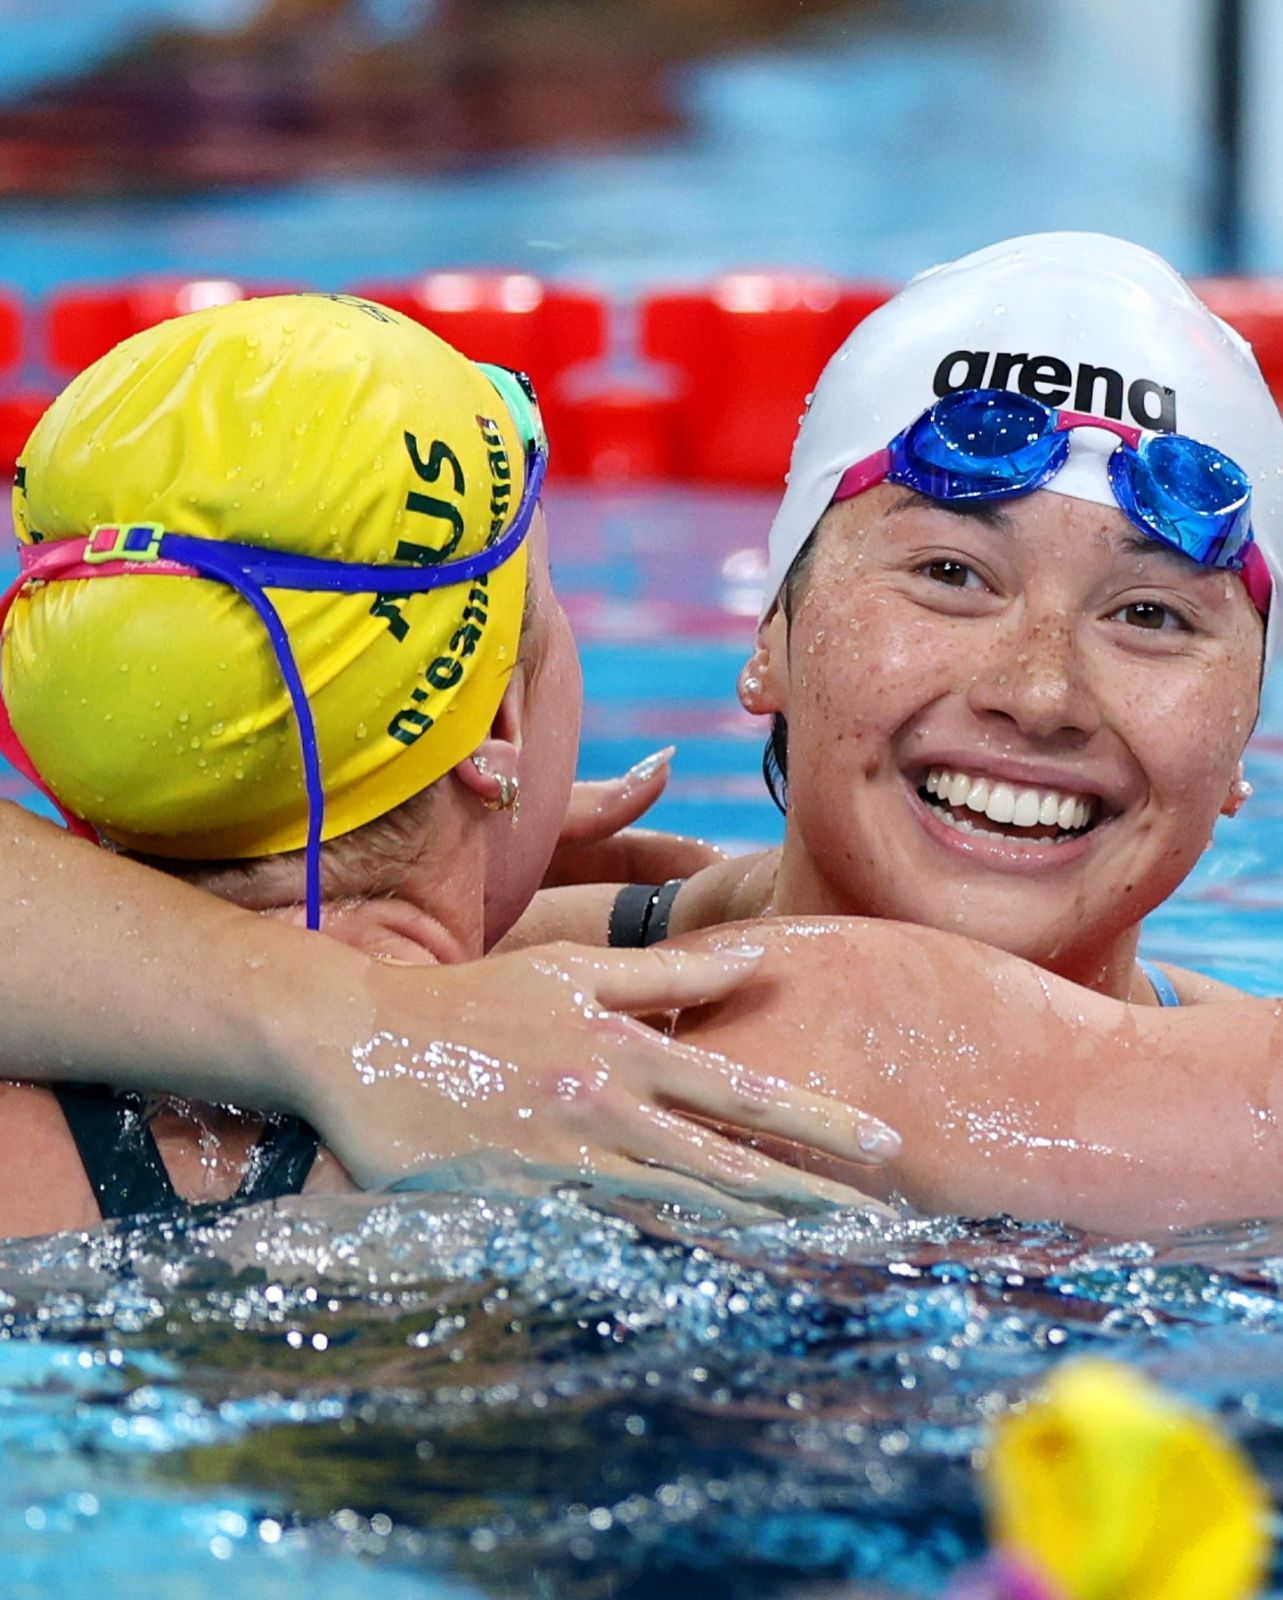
(977, 803)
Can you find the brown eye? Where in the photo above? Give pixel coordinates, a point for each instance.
(1148, 614)
(954, 573)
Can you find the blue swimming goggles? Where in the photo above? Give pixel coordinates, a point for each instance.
(147, 549)
(993, 444)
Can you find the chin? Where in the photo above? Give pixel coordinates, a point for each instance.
(1045, 941)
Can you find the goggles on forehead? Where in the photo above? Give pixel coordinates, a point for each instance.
(993, 444)
(142, 549)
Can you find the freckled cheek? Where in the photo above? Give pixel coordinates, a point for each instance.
(839, 700)
(1192, 744)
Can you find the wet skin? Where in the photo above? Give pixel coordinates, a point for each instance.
(545, 731)
(1042, 644)
(1013, 1090)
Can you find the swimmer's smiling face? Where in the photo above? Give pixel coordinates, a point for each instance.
(945, 671)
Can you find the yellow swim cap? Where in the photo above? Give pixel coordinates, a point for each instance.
(303, 425)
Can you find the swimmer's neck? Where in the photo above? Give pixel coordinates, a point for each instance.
(1107, 965)
(388, 928)
(430, 912)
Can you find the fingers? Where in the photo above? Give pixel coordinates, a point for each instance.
(649, 855)
(643, 1181)
(659, 979)
(709, 1157)
(600, 808)
(727, 1093)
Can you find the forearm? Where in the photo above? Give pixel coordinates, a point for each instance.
(115, 973)
(729, 890)
(580, 912)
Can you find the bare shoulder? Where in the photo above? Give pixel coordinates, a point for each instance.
(45, 1188)
(1197, 989)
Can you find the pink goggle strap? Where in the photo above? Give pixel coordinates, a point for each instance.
(866, 474)
(48, 563)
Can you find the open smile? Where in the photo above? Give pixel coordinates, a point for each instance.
(985, 807)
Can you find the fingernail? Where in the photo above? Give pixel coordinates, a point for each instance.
(649, 765)
(876, 1139)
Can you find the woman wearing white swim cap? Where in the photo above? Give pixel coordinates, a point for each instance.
(1019, 604)
(1012, 691)
(1012, 661)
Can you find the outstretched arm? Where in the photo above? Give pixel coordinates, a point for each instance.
(1015, 1090)
(117, 974)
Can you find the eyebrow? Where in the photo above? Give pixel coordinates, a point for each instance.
(989, 512)
(993, 514)
(1141, 544)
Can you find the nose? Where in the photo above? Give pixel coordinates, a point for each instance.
(1034, 676)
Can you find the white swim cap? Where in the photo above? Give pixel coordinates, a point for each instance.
(1079, 320)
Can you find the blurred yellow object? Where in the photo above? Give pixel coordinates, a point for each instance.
(1114, 1491)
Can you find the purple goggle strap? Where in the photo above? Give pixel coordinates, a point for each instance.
(250, 570)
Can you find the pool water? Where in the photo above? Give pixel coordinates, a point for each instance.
(526, 1395)
(505, 1389)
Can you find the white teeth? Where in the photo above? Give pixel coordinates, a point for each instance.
(1003, 803)
(953, 820)
(978, 798)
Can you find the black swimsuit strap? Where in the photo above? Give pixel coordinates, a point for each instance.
(117, 1149)
(281, 1160)
(640, 913)
(127, 1172)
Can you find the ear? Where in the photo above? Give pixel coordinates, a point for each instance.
(1240, 792)
(763, 684)
(494, 762)
(391, 930)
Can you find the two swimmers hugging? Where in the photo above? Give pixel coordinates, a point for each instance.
(1011, 655)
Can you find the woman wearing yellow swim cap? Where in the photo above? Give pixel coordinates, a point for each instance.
(286, 625)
